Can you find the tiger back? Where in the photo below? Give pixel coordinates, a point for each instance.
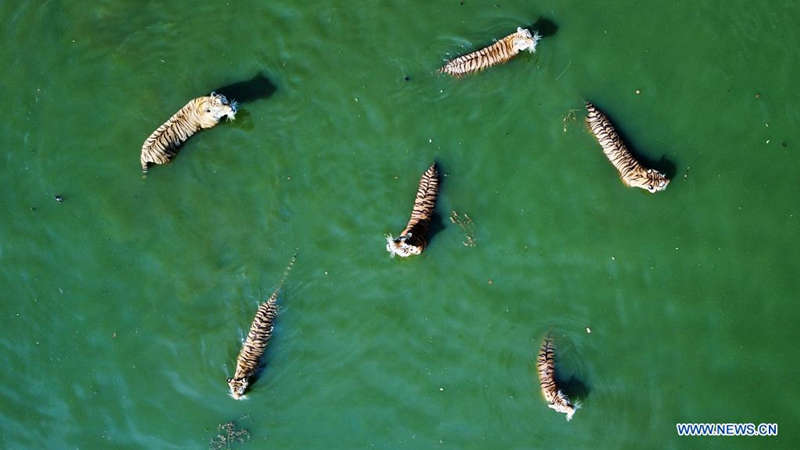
(546, 369)
(631, 172)
(497, 53)
(254, 346)
(258, 337)
(203, 112)
(414, 237)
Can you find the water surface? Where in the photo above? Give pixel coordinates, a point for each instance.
(125, 304)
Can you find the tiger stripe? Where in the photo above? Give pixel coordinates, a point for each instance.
(631, 172)
(256, 342)
(546, 368)
(414, 237)
(203, 112)
(497, 53)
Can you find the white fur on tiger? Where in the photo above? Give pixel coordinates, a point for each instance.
(546, 368)
(414, 237)
(630, 171)
(497, 53)
(199, 113)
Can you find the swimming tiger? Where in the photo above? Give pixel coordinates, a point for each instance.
(414, 237)
(256, 342)
(630, 171)
(546, 367)
(202, 112)
(497, 53)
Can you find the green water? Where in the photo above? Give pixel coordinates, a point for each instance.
(125, 305)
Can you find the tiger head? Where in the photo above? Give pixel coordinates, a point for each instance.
(400, 246)
(523, 40)
(238, 386)
(654, 181)
(210, 110)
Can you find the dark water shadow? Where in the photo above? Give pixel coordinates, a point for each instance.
(661, 164)
(544, 26)
(253, 89)
(437, 223)
(260, 370)
(574, 388)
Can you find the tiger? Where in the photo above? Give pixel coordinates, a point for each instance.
(414, 237)
(631, 172)
(497, 53)
(256, 342)
(545, 366)
(199, 113)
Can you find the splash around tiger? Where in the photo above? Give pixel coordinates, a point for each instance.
(497, 53)
(200, 113)
(414, 237)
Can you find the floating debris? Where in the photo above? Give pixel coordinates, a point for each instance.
(228, 434)
(464, 221)
(568, 117)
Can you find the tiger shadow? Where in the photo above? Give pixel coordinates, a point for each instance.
(250, 90)
(436, 224)
(662, 164)
(574, 388)
(545, 27)
(256, 88)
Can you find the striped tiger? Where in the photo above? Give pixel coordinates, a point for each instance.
(414, 237)
(546, 367)
(256, 342)
(497, 53)
(630, 171)
(199, 113)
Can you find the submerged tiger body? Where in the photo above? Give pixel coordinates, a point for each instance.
(497, 53)
(630, 170)
(546, 367)
(199, 113)
(256, 342)
(254, 346)
(414, 237)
